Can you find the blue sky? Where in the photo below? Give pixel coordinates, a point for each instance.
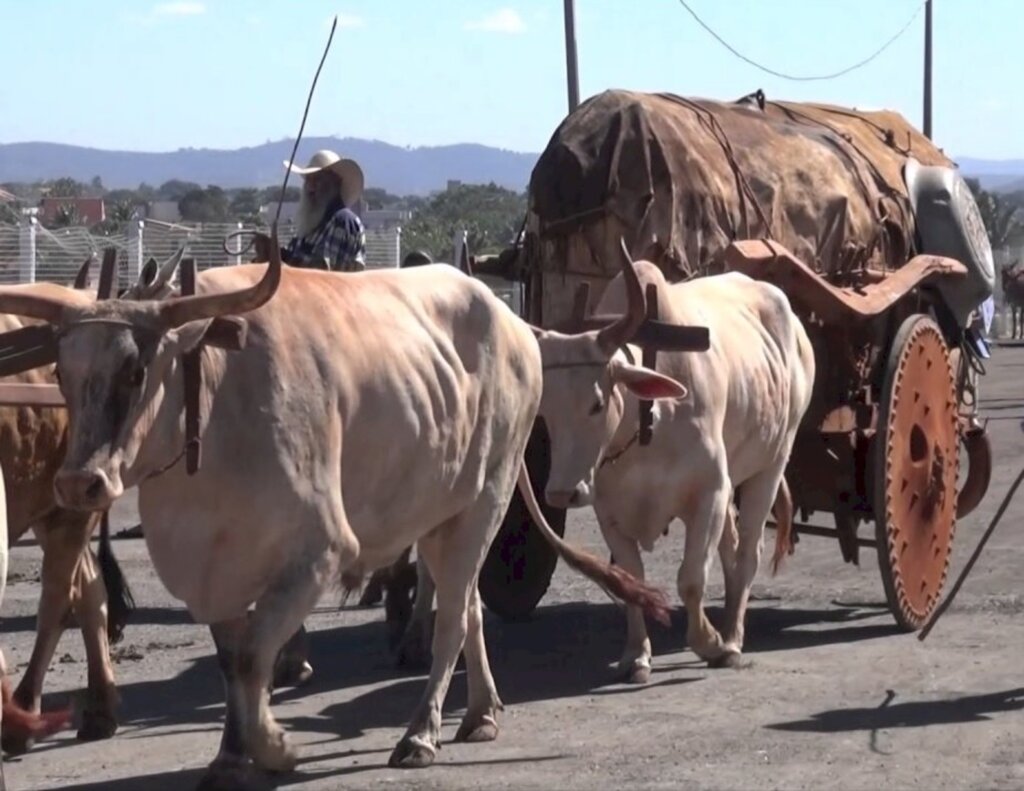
(156, 76)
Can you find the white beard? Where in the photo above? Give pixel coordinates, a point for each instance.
(311, 210)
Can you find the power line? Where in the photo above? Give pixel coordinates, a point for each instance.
(832, 76)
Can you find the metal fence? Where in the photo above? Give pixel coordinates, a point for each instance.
(29, 252)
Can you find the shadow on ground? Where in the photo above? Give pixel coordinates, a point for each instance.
(911, 714)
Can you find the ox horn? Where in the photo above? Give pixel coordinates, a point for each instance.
(178, 311)
(43, 301)
(621, 331)
(82, 278)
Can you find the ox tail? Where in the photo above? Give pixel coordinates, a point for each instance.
(620, 585)
(120, 601)
(782, 511)
(25, 726)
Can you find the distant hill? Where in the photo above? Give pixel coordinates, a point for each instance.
(1001, 175)
(402, 171)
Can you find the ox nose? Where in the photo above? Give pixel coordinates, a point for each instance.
(84, 490)
(561, 499)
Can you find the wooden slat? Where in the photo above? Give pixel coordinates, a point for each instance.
(107, 270)
(22, 394)
(26, 348)
(191, 372)
(227, 332)
(650, 360)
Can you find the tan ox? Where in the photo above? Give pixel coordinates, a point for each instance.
(74, 580)
(725, 423)
(373, 410)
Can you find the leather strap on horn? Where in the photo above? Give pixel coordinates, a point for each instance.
(191, 371)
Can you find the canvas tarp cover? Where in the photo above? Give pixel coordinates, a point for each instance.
(824, 181)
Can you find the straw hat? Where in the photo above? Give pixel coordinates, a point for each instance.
(351, 174)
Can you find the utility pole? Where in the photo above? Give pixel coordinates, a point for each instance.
(571, 70)
(928, 69)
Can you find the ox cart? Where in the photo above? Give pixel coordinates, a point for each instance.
(878, 244)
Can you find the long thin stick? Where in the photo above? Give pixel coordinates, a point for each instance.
(970, 563)
(309, 99)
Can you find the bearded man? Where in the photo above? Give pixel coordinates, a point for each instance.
(328, 234)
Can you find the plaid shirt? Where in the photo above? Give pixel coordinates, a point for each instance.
(340, 241)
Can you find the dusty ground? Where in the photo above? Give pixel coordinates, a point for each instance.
(833, 696)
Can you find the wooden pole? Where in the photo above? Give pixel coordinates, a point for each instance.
(571, 69)
(928, 69)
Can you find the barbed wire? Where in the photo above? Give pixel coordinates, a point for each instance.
(799, 78)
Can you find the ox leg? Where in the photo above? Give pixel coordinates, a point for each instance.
(277, 615)
(635, 664)
(99, 717)
(64, 539)
(758, 496)
(454, 554)
(232, 767)
(414, 648)
(704, 528)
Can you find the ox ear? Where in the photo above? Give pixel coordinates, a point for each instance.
(645, 383)
(186, 337)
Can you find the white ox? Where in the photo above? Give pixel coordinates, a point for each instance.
(725, 422)
(369, 412)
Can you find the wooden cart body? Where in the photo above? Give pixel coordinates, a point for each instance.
(885, 269)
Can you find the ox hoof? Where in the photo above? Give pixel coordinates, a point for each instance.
(289, 674)
(412, 753)
(16, 744)
(413, 654)
(480, 729)
(225, 776)
(727, 659)
(276, 754)
(636, 673)
(96, 726)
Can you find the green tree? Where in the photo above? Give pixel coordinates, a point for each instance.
(176, 189)
(271, 194)
(65, 188)
(245, 205)
(378, 198)
(490, 215)
(66, 216)
(209, 205)
(1001, 215)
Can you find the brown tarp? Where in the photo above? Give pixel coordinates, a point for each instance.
(694, 175)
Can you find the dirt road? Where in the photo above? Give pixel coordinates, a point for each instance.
(833, 696)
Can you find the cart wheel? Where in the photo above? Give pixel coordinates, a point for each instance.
(915, 469)
(519, 565)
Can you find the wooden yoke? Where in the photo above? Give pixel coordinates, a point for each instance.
(649, 360)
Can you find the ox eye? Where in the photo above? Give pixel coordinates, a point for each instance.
(137, 377)
(598, 407)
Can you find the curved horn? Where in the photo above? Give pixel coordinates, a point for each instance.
(148, 273)
(177, 311)
(82, 278)
(44, 301)
(621, 331)
(163, 277)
